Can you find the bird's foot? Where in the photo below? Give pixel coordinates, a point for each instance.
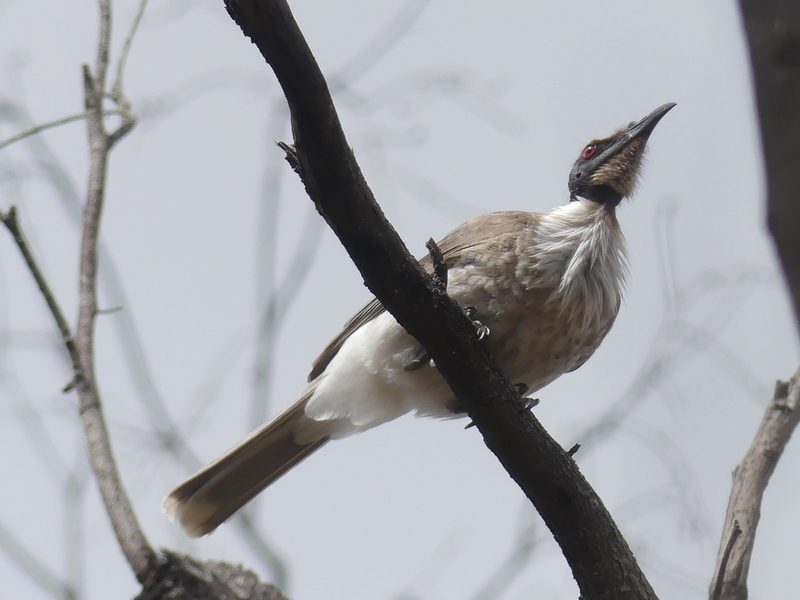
(522, 389)
(482, 330)
(526, 404)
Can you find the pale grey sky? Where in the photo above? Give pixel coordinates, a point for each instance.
(475, 109)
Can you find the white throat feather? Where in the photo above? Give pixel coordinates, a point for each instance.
(580, 253)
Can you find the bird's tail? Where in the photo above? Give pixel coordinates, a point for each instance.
(208, 498)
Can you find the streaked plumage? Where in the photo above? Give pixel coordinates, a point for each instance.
(548, 286)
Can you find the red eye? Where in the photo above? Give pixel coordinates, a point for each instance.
(589, 151)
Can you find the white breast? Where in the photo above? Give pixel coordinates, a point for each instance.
(580, 253)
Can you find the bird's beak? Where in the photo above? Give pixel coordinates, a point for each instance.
(642, 129)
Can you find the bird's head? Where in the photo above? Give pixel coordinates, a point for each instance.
(607, 169)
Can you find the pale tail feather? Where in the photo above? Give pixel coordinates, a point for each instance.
(207, 499)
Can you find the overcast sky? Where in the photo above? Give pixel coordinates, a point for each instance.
(473, 108)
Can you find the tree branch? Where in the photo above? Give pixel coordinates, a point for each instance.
(773, 35)
(140, 556)
(10, 220)
(44, 126)
(131, 538)
(601, 560)
(137, 550)
(750, 480)
(117, 91)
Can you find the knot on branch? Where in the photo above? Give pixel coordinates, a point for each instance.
(182, 577)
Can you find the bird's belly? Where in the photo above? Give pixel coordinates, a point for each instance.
(534, 337)
(538, 346)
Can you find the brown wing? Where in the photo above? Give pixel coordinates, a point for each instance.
(371, 310)
(468, 235)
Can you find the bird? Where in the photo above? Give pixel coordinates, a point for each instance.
(544, 289)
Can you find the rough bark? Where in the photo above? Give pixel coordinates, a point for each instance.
(773, 36)
(181, 577)
(750, 481)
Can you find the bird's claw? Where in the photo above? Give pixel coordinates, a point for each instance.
(529, 403)
(526, 403)
(482, 330)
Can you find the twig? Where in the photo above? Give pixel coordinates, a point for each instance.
(34, 130)
(117, 92)
(601, 560)
(750, 480)
(12, 223)
(291, 155)
(165, 429)
(103, 44)
(574, 449)
(139, 554)
(439, 266)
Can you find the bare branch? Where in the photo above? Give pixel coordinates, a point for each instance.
(141, 557)
(117, 90)
(103, 45)
(10, 220)
(750, 480)
(56, 174)
(602, 562)
(34, 130)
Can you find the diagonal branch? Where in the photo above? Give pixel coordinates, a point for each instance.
(134, 545)
(10, 220)
(750, 481)
(601, 560)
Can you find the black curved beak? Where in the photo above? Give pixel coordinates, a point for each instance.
(644, 127)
